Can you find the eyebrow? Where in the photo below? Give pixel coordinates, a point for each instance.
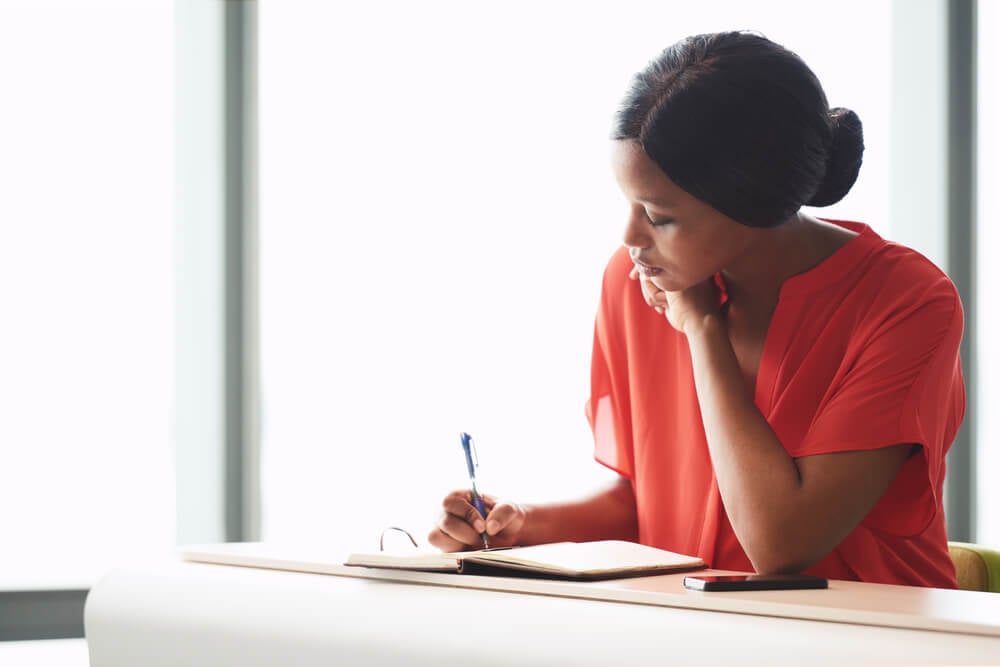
(656, 202)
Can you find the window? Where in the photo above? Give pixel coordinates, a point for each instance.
(988, 278)
(86, 287)
(436, 210)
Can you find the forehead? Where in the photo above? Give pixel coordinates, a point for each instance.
(640, 178)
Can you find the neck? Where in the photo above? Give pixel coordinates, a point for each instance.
(777, 254)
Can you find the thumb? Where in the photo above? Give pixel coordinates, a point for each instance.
(500, 517)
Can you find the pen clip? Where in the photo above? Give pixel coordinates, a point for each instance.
(475, 454)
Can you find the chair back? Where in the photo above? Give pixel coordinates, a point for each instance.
(977, 567)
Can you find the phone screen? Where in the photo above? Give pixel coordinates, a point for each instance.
(753, 582)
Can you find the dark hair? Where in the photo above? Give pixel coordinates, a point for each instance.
(742, 124)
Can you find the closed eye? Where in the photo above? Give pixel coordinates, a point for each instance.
(658, 221)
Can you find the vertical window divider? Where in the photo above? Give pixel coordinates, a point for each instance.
(242, 446)
(932, 188)
(216, 414)
(960, 489)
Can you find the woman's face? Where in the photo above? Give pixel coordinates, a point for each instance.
(675, 239)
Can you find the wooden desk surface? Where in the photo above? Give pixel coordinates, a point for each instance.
(193, 614)
(844, 602)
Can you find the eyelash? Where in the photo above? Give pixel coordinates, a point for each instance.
(659, 222)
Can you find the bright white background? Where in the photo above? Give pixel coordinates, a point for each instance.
(417, 164)
(86, 280)
(436, 211)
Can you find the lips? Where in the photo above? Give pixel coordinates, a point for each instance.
(647, 270)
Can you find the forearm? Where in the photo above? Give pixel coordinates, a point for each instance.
(608, 514)
(759, 482)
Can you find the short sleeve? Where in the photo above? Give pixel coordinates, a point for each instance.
(607, 406)
(903, 384)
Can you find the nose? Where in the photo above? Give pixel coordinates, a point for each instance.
(637, 229)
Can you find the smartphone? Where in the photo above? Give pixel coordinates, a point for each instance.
(753, 582)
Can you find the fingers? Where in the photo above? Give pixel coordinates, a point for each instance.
(654, 296)
(438, 539)
(659, 303)
(489, 501)
(460, 524)
(504, 521)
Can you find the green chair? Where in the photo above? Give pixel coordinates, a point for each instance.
(977, 567)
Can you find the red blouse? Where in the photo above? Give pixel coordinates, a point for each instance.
(861, 353)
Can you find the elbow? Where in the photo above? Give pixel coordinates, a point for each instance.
(780, 566)
(781, 554)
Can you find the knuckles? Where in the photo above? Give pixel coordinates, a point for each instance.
(456, 526)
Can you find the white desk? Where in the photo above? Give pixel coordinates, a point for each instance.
(196, 614)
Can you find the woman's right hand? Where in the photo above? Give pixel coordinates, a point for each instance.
(654, 296)
(460, 525)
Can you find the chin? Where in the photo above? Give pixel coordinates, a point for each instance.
(667, 284)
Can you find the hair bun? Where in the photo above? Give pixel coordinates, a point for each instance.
(843, 160)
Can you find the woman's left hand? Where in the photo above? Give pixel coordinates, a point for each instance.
(684, 308)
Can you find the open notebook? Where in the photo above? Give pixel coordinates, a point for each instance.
(563, 560)
(607, 559)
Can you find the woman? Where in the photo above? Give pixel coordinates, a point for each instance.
(777, 392)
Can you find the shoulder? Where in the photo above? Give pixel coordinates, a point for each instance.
(878, 297)
(888, 260)
(900, 305)
(908, 282)
(887, 278)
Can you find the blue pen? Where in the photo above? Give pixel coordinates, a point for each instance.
(477, 500)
